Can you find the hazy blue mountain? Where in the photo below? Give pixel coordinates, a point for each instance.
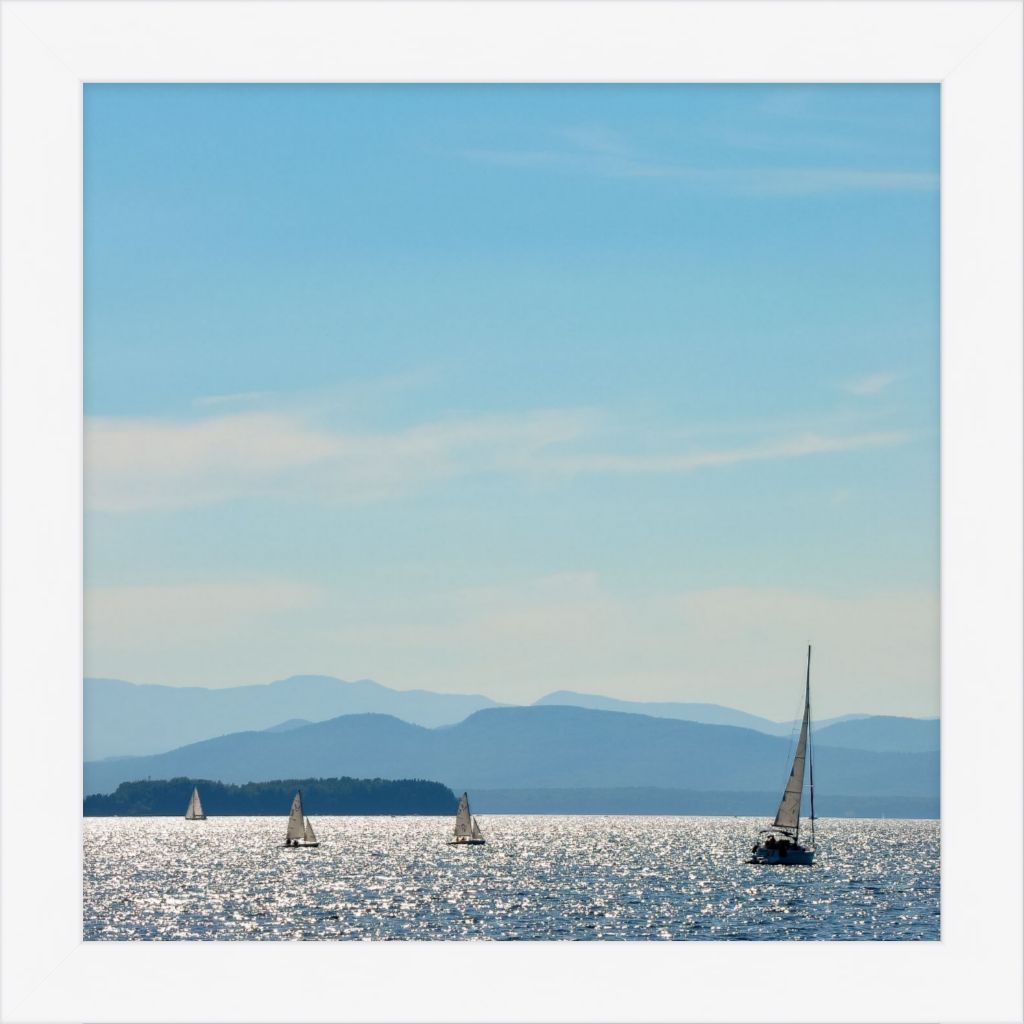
(709, 714)
(530, 747)
(292, 723)
(863, 732)
(126, 718)
(881, 732)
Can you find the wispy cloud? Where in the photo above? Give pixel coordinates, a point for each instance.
(601, 152)
(769, 451)
(196, 604)
(240, 398)
(134, 464)
(872, 384)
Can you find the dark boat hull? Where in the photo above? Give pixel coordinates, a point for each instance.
(792, 855)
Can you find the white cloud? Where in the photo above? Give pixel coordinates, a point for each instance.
(134, 464)
(238, 398)
(872, 384)
(598, 151)
(785, 448)
(138, 464)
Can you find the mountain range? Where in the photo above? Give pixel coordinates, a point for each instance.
(123, 718)
(126, 718)
(539, 747)
(709, 714)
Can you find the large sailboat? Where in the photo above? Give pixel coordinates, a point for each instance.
(467, 831)
(780, 844)
(300, 834)
(195, 808)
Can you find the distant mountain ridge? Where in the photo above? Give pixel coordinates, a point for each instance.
(292, 723)
(708, 714)
(882, 732)
(123, 718)
(130, 719)
(857, 731)
(530, 747)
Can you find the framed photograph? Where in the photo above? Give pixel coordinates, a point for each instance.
(511, 511)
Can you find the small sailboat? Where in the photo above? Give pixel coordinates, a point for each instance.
(300, 833)
(780, 844)
(195, 808)
(308, 835)
(467, 831)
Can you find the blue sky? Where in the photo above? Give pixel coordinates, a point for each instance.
(504, 389)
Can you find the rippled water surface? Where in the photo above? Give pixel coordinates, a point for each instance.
(538, 877)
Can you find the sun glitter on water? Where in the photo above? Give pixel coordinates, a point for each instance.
(539, 877)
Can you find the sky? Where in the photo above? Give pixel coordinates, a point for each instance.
(621, 389)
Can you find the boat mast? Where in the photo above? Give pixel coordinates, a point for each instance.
(787, 818)
(810, 745)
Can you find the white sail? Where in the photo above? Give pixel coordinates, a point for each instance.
(463, 824)
(308, 834)
(195, 808)
(296, 826)
(788, 816)
(477, 834)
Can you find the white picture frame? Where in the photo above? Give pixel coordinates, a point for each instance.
(50, 48)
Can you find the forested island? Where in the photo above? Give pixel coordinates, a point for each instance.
(169, 797)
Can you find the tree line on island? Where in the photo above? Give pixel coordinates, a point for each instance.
(169, 797)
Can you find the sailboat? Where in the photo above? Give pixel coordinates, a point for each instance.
(195, 808)
(308, 835)
(300, 832)
(467, 831)
(780, 844)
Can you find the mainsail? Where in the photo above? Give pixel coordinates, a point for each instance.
(195, 808)
(296, 825)
(788, 817)
(477, 834)
(308, 834)
(463, 823)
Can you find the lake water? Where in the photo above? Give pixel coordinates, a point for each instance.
(538, 877)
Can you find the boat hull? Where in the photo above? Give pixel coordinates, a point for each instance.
(796, 855)
(466, 842)
(302, 846)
